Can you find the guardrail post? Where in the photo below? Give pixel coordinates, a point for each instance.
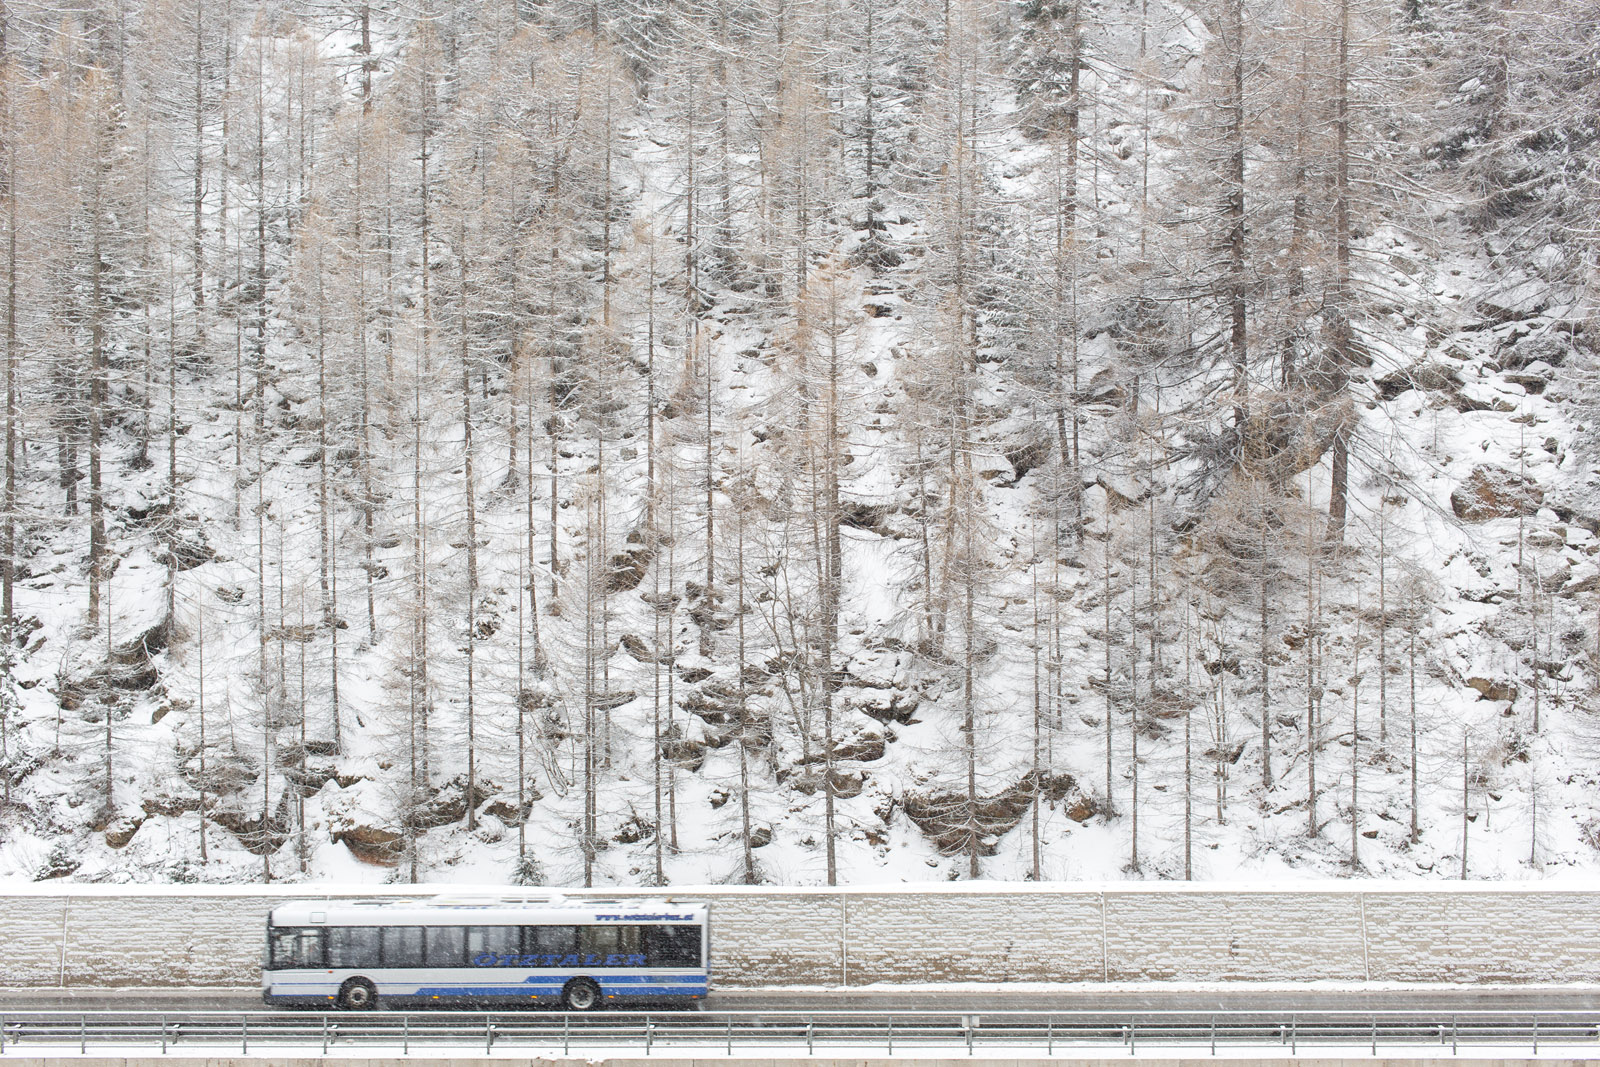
(1535, 1035)
(1453, 1035)
(244, 1035)
(163, 1035)
(810, 1022)
(405, 1035)
(1213, 1035)
(1374, 1035)
(324, 1035)
(891, 1035)
(1133, 1038)
(566, 1034)
(1294, 1035)
(2, 1035)
(730, 1035)
(1050, 1036)
(488, 1033)
(649, 1034)
(83, 1035)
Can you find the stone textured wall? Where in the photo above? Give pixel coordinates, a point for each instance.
(788, 939)
(30, 930)
(205, 940)
(177, 936)
(1223, 936)
(1499, 937)
(973, 937)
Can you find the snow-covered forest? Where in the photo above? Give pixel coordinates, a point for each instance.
(799, 441)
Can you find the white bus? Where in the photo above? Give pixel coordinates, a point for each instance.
(582, 954)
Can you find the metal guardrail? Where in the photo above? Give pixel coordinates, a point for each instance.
(787, 1032)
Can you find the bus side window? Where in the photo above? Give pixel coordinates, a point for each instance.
(353, 947)
(672, 946)
(549, 940)
(295, 949)
(492, 940)
(402, 946)
(605, 939)
(446, 946)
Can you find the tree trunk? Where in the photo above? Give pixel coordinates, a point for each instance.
(325, 531)
(1234, 105)
(197, 248)
(200, 712)
(1312, 682)
(1133, 712)
(1416, 832)
(368, 500)
(8, 521)
(1383, 623)
(1266, 709)
(472, 541)
(1110, 699)
(1466, 813)
(1038, 709)
(1341, 296)
(744, 706)
(969, 720)
(1355, 747)
(97, 372)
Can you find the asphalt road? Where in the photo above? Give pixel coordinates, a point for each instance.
(1276, 1001)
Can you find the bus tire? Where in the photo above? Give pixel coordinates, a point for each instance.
(580, 994)
(358, 994)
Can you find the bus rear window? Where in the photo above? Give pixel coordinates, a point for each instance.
(672, 946)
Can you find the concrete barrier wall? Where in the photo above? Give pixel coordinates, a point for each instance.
(103, 936)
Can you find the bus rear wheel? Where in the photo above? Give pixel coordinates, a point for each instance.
(581, 994)
(358, 994)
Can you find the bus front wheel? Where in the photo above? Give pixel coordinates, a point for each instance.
(358, 994)
(581, 994)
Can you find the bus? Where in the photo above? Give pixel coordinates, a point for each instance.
(580, 954)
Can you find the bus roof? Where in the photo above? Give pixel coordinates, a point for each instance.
(485, 911)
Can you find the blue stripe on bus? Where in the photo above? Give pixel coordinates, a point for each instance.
(551, 990)
(480, 991)
(614, 985)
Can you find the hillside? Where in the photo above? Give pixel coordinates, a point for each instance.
(748, 440)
